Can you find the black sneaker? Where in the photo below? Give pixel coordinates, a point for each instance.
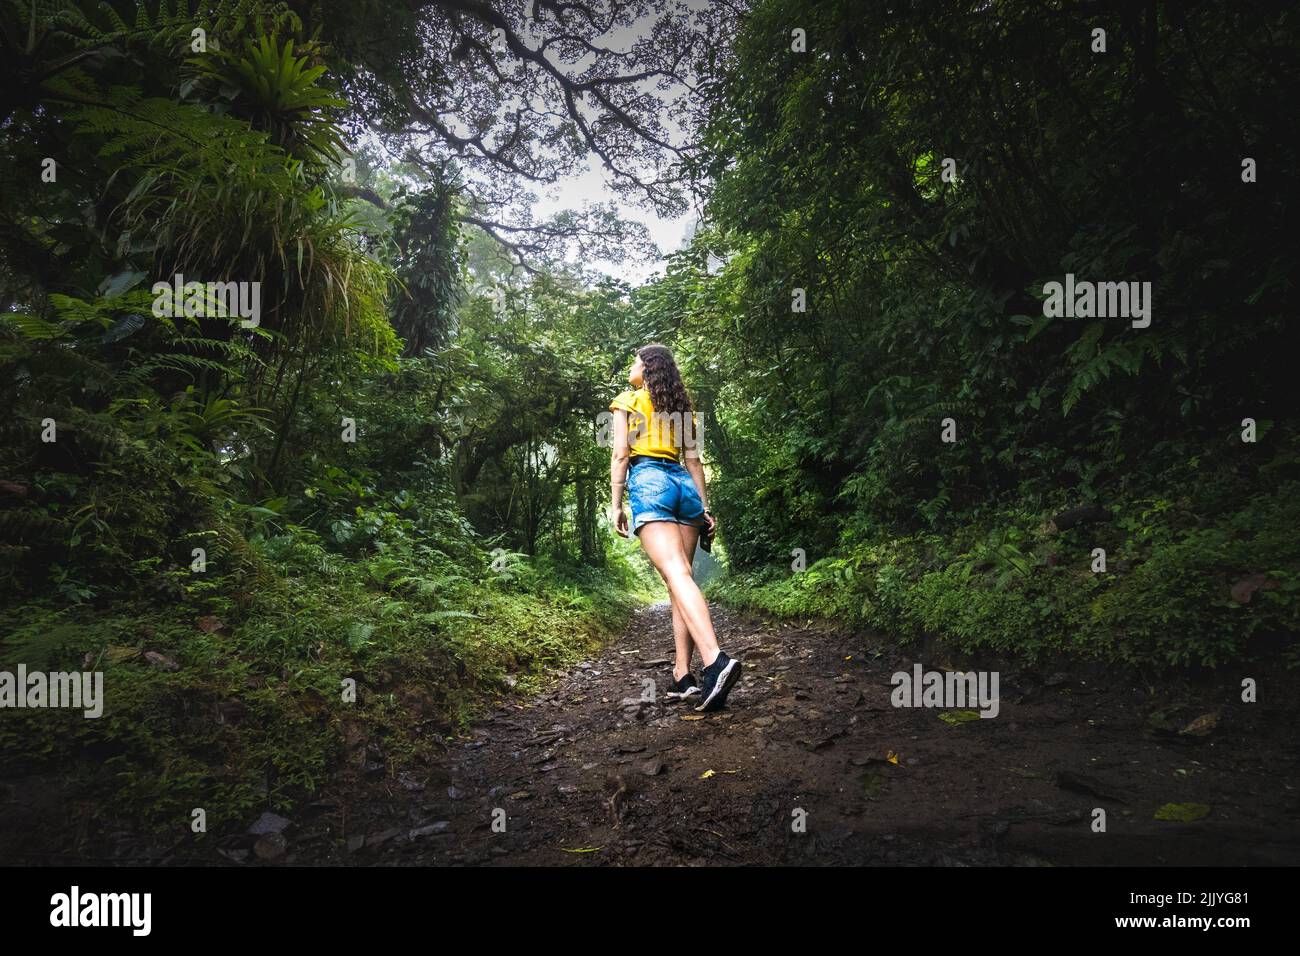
(719, 678)
(681, 689)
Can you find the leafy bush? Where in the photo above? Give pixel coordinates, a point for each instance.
(1166, 598)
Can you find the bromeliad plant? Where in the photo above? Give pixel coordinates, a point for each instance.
(276, 92)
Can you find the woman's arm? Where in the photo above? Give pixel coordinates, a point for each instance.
(697, 475)
(690, 459)
(618, 455)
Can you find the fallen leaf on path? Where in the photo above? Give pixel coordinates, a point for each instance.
(692, 716)
(873, 781)
(1202, 725)
(954, 717)
(1182, 812)
(891, 756)
(581, 849)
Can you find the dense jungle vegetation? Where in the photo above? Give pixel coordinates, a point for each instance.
(925, 302)
(393, 478)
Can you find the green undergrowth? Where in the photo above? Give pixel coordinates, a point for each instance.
(253, 716)
(1009, 582)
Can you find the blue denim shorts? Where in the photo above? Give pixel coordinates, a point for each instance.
(662, 490)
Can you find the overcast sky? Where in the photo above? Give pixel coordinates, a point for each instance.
(588, 183)
(589, 186)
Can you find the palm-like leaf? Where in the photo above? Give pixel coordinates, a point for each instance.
(278, 93)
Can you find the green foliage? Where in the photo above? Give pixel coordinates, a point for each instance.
(278, 93)
(198, 500)
(1165, 599)
(257, 703)
(201, 500)
(925, 298)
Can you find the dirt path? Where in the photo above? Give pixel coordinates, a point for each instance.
(588, 774)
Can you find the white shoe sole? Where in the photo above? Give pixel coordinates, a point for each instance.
(729, 675)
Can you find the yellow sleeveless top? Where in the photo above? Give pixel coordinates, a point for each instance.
(655, 435)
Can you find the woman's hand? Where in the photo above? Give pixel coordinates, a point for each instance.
(618, 518)
(713, 522)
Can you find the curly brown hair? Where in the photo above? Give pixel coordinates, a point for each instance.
(663, 380)
(674, 411)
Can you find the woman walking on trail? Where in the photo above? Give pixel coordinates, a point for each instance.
(655, 453)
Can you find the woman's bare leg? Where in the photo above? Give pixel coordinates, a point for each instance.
(681, 642)
(663, 545)
(681, 633)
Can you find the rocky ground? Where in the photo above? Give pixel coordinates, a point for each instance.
(591, 773)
